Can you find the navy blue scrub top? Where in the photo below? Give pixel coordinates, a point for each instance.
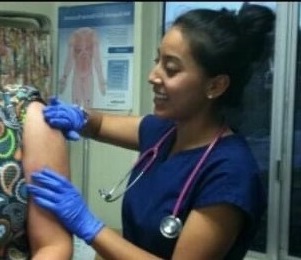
(230, 174)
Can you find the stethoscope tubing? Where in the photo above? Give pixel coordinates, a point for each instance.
(194, 173)
(170, 226)
(108, 197)
(154, 152)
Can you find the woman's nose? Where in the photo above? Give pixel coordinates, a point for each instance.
(154, 76)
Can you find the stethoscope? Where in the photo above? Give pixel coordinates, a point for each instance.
(170, 226)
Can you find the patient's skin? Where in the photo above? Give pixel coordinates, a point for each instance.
(83, 54)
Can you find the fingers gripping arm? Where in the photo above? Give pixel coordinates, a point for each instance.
(56, 194)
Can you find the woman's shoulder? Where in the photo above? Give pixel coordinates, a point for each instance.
(235, 150)
(235, 141)
(233, 176)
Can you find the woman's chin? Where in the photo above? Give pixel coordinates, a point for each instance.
(162, 113)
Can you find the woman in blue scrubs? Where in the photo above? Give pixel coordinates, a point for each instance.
(201, 196)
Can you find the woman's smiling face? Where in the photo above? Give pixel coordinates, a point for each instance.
(179, 83)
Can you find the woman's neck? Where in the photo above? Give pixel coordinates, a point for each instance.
(195, 134)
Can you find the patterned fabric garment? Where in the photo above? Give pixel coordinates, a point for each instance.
(14, 100)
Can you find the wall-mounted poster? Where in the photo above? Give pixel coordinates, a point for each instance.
(95, 62)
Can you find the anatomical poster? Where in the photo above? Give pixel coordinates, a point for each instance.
(95, 55)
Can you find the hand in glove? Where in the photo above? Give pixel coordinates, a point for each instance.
(55, 193)
(70, 119)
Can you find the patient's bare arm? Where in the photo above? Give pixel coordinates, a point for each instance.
(44, 146)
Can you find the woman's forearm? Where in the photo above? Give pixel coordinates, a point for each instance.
(93, 126)
(118, 130)
(110, 245)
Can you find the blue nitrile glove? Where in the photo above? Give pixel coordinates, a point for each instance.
(70, 119)
(55, 193)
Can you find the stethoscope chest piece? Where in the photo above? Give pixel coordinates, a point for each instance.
(171, 226)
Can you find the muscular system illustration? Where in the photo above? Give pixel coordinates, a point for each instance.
(83, 55)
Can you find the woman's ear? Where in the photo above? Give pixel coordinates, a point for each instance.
(218, 86)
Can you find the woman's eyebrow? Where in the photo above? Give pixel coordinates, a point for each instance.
(172, 58)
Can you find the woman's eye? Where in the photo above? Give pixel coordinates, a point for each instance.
(171, 70)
